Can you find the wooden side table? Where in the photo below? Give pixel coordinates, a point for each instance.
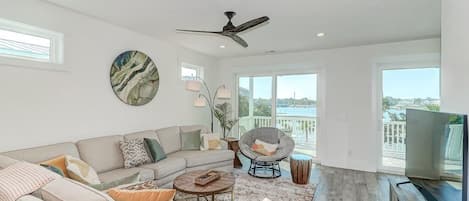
(300, 168)
(234, 146)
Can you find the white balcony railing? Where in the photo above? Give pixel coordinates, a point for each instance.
(394, 143)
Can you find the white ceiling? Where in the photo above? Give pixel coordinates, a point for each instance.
(293, 25)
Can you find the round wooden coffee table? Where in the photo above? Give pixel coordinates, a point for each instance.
(185, 183)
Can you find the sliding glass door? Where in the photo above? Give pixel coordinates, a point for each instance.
(287, 102)
(296, 110)
(417, 88)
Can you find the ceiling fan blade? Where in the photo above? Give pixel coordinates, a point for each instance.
(252, 23)
(195, 31)
(239, 40)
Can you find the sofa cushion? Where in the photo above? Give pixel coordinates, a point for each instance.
(142, 134)
(166, 167)
(102, 153)
(43, 153)
(145, 174)
(196, 158)
(6, 161)
(169, 139)
(203, 129)
(69, 190)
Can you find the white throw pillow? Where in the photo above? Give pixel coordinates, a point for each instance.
(79, 170)
(210, 141)
(23, 178)
(264, 147)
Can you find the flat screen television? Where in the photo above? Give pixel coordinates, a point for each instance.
(436, 154)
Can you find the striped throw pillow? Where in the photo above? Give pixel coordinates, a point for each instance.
(23, 178)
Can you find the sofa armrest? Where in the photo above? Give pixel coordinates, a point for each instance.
(28, 198)
(68, 190)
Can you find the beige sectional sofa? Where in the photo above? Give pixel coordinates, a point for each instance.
(104, 155)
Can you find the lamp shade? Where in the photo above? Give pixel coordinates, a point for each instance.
(223, 93)
(193, 85)
(199, 102)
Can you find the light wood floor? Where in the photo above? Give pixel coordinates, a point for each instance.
(335, 184)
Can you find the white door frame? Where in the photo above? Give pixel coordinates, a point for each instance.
(320, 96)
(432, 61)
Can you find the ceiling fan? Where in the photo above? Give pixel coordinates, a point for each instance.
(231, 31)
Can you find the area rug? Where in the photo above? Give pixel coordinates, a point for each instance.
(248, 188)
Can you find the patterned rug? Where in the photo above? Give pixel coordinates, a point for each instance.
(248, 188)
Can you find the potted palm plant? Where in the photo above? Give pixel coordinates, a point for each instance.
(223, 114)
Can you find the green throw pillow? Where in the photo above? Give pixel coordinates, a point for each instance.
(156, 151)
(190, 140)
(127, 180)
(53, 169)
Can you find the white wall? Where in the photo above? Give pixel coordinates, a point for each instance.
(40, 107)
(348, 133)
(455, 56)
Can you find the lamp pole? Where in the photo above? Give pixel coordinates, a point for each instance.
(209, 98)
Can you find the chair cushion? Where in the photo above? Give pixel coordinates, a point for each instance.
(166, 167)
(169, 139)
(43, 153)
(196, 158)
(145, 174)
(102, 153)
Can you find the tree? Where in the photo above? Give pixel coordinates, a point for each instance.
(433, 107)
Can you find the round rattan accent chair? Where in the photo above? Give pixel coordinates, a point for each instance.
(261, 165)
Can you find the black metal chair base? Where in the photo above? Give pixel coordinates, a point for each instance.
(270, 169)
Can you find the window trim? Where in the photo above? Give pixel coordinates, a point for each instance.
(56, 55)
(199, 70)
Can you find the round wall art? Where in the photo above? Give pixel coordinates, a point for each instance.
(134, 78)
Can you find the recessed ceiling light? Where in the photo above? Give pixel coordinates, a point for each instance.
(320, 34)
(222, 46)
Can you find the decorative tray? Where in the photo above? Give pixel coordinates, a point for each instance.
(207, 177)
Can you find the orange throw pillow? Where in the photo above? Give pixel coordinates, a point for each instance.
(58, 162)
(142, 195)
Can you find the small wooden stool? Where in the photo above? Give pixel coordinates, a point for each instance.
(300, 168)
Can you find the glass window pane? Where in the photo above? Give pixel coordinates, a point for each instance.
(188, 73)
(402, 89)
(296, 110)
(16, 44)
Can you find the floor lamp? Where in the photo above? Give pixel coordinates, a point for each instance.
(202, 99)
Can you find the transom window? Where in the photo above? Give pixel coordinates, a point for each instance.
(191, 72)
(21, 41)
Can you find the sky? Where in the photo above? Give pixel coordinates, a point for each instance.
(401, 83)
(412, 83)
(288, 86)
